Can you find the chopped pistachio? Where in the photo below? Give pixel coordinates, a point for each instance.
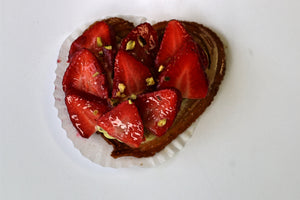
(123, 95)
(133, 96)
(130, 45)
(142, 42)
(161, 67)
(108, 47)
(113, 102)
(121, 87)
(150, 81)
(100, 52)
(129, 101)
(95, 112)
(96, 74)
(118, 94)
(99, 42)
(162, 122)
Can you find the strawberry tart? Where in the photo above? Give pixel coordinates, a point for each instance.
(140, 87)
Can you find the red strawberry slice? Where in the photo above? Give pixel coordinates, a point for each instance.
(84, 110)
(185, 73)
(174, 37)
(124, 123)
(142, 43)
(99, 39)
(158, 109)
(130, 76)
(85, 74)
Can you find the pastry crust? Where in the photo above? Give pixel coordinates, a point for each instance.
(190, 109)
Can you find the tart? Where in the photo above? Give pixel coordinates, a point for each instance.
(178, 64)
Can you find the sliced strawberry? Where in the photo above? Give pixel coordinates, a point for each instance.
(130, 76)
(124, 123)
(84, 110)
(174, 37)
(158, 109)
(185, 73)
(99, 39)
(142, 43)
(85, 74)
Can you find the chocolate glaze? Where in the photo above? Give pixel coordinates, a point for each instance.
(120, 27)
(190, 109)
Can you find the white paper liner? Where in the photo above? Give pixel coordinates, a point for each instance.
(96, 148)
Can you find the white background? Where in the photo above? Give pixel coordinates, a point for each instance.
(246, 145)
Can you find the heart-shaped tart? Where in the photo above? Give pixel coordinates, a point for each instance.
(140, 87)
